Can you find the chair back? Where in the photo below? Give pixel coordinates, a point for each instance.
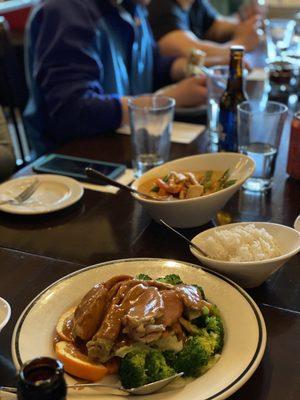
(13, 93)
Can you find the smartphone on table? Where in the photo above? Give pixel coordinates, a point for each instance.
(74, 167)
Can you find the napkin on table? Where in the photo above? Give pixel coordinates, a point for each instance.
(126, 178)
(182, 132)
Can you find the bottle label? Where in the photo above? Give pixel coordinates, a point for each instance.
(228, 131)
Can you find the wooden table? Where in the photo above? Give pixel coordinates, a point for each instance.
(36, 251)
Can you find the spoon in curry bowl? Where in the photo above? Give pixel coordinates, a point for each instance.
(141, 390)
(96, 175)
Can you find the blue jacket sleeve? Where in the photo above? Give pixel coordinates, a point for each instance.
(161, 68)
(67, 68)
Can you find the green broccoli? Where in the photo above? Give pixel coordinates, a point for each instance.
(214, 310)
(170, 357)
(143, 277)
(214, 326)
(195, 355)
(214, 323)
(171, 279)
(133, 369)
(157, 368)
(200, 322)
(140, 367)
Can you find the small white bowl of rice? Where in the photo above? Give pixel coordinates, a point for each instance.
(247, 252)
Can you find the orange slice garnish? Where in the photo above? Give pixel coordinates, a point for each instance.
(64, 325)
(78, 364)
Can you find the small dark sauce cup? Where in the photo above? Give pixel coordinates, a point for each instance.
(42, 379)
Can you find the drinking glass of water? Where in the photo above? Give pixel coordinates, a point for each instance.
(216, 85)
(279, 34)
(151, 118)
(259, 133)
(256, 89)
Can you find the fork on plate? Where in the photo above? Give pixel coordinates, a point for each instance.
(24, 195)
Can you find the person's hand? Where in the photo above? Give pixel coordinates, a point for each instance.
(246, 33)
(188, 93)
(251, 8)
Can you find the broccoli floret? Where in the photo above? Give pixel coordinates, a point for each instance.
(196, 354)
(210, 363)
(172, 279)
(143, 277)
(214, 323)
(214, 326)
(170, 357)
(200, 322)
(140, 367)
(133, 369)
(157, 368)
(214, 310)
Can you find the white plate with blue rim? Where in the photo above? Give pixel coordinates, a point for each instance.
(245, 331)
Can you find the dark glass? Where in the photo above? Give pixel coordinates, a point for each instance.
(42, 379)
(281, 72)
(230, 99)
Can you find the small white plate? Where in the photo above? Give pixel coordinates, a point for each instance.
(245, 331)
(54, 193)
(4, 313)
(297, 224)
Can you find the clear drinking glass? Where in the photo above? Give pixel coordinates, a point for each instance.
(151, 118)
(216, 85)
(259, 133)
(279, 34)
(256, 88)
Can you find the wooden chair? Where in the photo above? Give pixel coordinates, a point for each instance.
(13, 93)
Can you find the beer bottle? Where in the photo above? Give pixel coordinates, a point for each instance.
(233, 95)
(42, 379)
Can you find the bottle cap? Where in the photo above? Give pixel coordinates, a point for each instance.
(237, 48)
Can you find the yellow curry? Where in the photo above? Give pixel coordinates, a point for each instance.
(186, 185)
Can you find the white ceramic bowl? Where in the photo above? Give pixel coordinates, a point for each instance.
(254, 273)
(190, 213)
(4, 313)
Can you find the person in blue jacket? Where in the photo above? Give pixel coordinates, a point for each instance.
(83, 60)
(7, 155)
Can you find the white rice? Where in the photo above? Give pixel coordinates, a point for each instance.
(240, 243)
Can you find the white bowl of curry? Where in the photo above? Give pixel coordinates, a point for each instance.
(189, 191)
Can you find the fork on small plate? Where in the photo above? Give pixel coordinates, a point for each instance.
(24, 195)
